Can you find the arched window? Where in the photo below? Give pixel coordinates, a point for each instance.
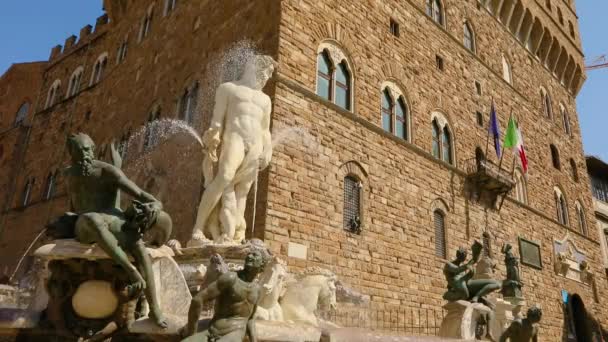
(562, 207)
(394, 113)
(123, 145)
(146, 23)
(49, 190)
(469, 37)
(169, 6)
(324, 75)
(506, 70)
(99, 69)
(352, 204)
(343, 86)
(27, 192)
(565, 119)
(446, 148)
(387, 111)
(548, 4)
(440, 244)
(546, 102)
(580, 215)
(22, 113)
(334, 79)
(555, 157)
(188, 103)
(74, 84)
(521, 192)
(560, 16)
(53, 94)
(571, 29)
(121, 54)
(574, 170)
(152, 130)
(436, 140)
(434, 9)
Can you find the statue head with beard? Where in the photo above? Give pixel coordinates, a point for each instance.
(82, 151)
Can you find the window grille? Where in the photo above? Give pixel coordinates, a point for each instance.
(440, 247)
(352, 204)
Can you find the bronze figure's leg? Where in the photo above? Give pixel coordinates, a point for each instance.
(92, 228)
(480, 288)
(145, 263)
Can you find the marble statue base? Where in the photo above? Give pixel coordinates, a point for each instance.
(462, 319)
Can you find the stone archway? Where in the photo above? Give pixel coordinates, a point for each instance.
(579, 318)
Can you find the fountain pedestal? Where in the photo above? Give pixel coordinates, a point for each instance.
(85, 291)
(462, 319)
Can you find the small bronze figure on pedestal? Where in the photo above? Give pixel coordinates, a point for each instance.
(236, 296)
(524, 330)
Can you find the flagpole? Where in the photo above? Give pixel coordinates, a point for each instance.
(488, 137)
(502, 154)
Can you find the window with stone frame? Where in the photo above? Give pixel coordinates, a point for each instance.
(49, 190)
(571, 29)
(352, 204)
(436, 139)
(434, 9)
(546, 103)
(99, 69)
(22, 113)
(440, 239)
(146, 24)
(580, 215)
(521, 192)
(53, 94)
(121, 54)
(169, 6)
(507, 73)
(334, 79)
(75, 80)
(562, 208)
(565, 119)
(188, 104)
(469, 38)
(394, 115)
(555, 157)
(152, 130)
(123, 145)
(342, 86)
(27, 192)
(446, 146)
(574, 170)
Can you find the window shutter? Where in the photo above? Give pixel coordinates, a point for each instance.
(440, 248)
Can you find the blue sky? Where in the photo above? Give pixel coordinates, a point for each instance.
(29, 28)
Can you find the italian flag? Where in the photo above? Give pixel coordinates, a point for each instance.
(514, 140)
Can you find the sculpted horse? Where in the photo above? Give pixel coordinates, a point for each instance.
(304, 294)
(273, 288)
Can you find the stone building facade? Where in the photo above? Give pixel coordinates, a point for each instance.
(393, 97)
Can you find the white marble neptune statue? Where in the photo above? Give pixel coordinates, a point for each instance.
(240, 126)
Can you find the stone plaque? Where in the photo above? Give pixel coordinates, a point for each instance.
(530, 253)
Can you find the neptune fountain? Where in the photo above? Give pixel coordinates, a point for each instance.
(113, 273)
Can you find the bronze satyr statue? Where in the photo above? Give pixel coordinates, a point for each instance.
(95, 217)
(524, 330)
(459, 277)
(236, 296)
